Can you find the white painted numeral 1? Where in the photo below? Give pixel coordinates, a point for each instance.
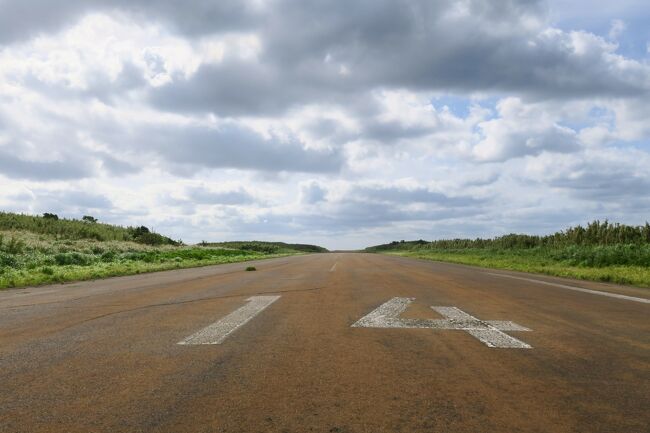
(219, 331)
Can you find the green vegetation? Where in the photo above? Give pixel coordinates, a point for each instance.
(267, 247)
(601, 251)
(251, 268)
(41, 250)
(86, 228)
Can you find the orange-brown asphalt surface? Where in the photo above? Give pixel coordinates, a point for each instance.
(103, 356)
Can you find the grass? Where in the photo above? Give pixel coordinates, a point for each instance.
(37, 250)
(525, 262)
(28, 259)
(266, 247)
(600, 252)
(72, 229)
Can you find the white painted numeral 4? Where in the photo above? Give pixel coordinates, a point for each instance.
(489, 332)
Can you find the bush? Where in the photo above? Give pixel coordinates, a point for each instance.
(145, 236)
(73, 258)
(108, 256)
(251, 268)
(7, 260)
(13, 246)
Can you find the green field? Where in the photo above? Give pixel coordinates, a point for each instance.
(37, 250)
(600, 252)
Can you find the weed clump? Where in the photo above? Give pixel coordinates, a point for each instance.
(251, 268)
(47, 270)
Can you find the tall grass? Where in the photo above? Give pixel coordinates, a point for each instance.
(595, 233)
(600, 251)
(31, 258)
(62, 228)
(40, 250)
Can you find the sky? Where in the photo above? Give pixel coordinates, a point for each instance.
(344, 124)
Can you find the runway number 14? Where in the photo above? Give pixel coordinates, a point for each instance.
(489, 332)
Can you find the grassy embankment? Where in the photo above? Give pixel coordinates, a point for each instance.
(37, 250)
(600, 252)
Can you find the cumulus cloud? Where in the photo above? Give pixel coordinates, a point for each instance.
(609, 176)
(368, 119)
(234, 146)
(22, 19)
(14, 167)
(201, 195)
(523, 130)
(69, 202)
(402, 195)
(393, 44)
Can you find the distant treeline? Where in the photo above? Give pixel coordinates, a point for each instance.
(266, 247)
(594, 234)
(85, 228)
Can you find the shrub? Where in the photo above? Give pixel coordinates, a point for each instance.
(7, 260)
(13, 246)
(251, 268)
(73, 258)
(108, 256)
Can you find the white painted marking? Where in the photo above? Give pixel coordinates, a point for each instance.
(334, 267)
(577, 289)
(488, 332)
(219, 331)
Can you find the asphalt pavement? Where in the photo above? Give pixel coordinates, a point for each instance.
(339, 342)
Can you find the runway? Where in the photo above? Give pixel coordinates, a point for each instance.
(338, 342)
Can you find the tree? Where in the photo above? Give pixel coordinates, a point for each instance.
(50, 216)
(139, 231)
(89, 219)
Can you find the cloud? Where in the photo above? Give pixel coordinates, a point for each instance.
(72, 203)
(115, 166)
(234, 146)
(402, 195)
(365, 119)
(523, 130)
(233, 88)
(614, 176)
(14, 167)
(200, 195)
(419, 46)
(617, 27)
(27, 18)
(312, 193)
